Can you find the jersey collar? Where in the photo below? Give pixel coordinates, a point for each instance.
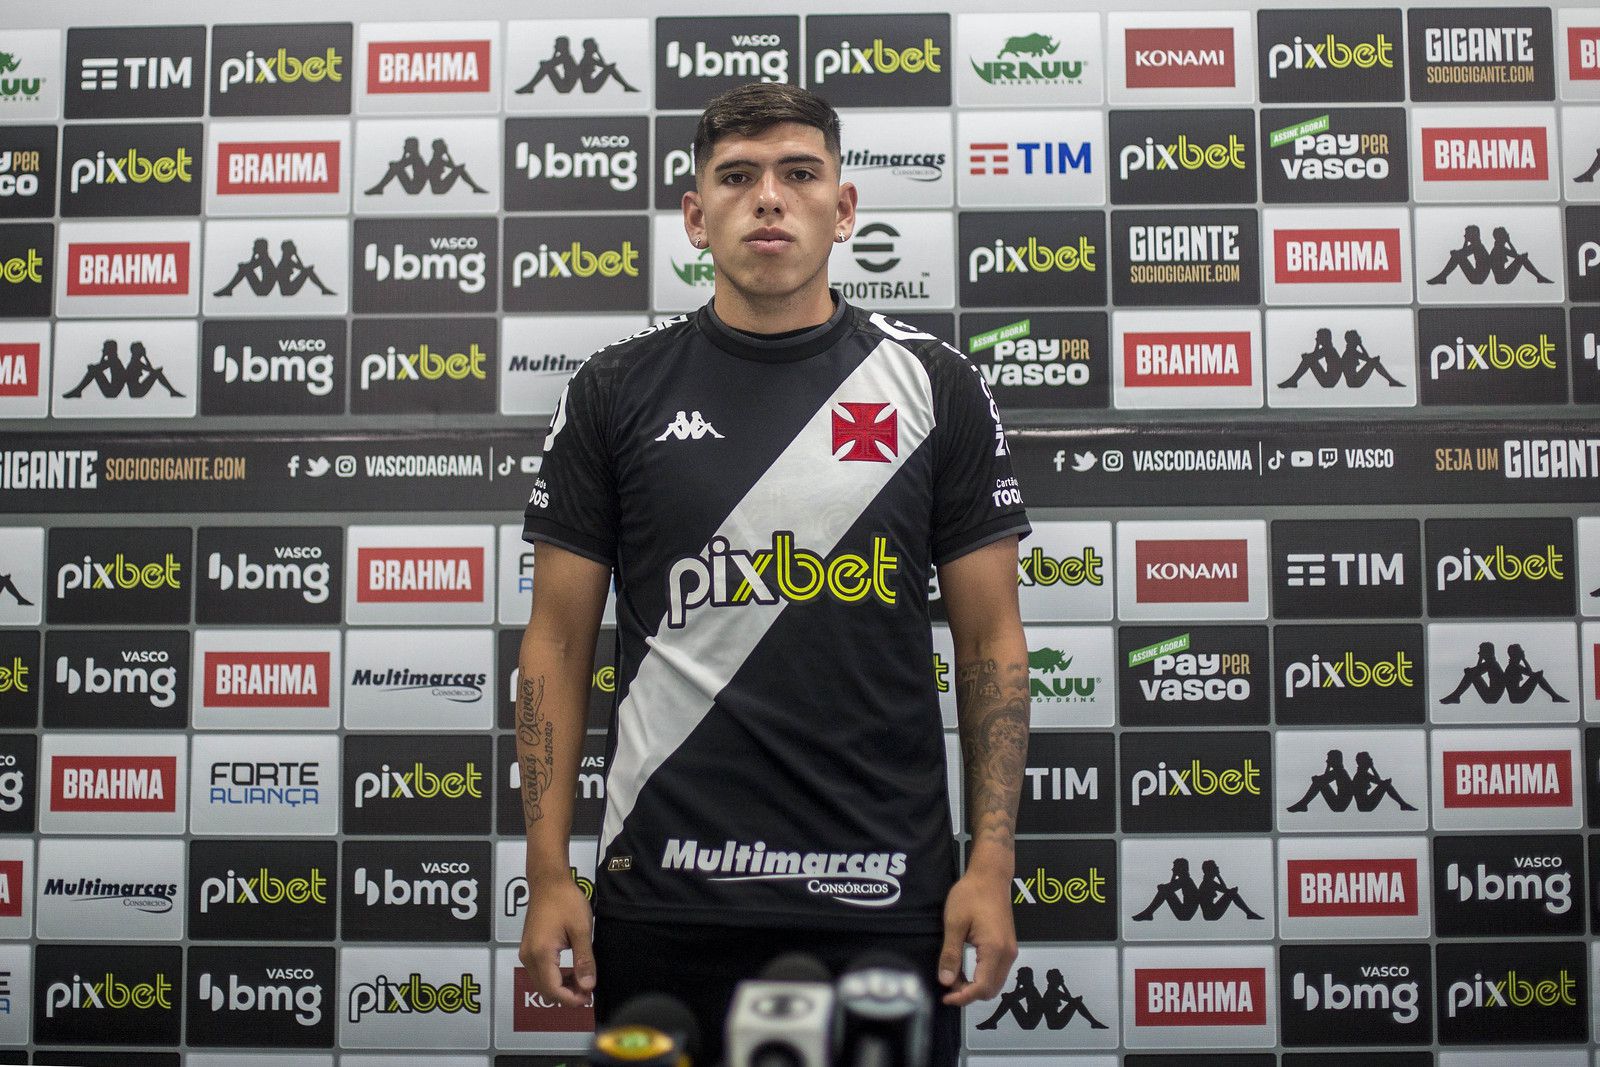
(775, 348)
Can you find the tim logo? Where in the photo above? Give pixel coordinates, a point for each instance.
(449, 574)
(866, 433)
(1346, 256)
(1192, 571)
(269, 168)
(122, 268)
(1200, 996)
(267, 679)
(428, 67)
(1351, 888)
(1056, 1006)
(1485, 153)
(1192, 57)
(113, 783)
(1504, 778)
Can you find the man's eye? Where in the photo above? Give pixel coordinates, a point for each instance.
(734, 178)
(803, 176)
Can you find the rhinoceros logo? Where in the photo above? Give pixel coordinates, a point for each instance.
(1033, 44)
(1058, 687)
(8, 63)
(1021, 61)
(1048, 660)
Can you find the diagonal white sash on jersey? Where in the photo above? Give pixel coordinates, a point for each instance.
(805, 491)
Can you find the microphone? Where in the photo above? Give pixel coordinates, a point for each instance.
(784, 1018)
(653, 1030)
(885, 1014)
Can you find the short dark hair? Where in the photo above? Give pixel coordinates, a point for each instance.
(752, 109)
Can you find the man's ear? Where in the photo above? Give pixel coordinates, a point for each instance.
(694, 218)
(846, 210)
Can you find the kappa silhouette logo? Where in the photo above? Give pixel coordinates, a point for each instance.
(1516, 681)
(686, 428)
(286, 276)
(438, 174)
(1211, 899)
(870, 432)
(1353, 368)
(1027, 1006)
(1336, 787)
(563, 72)
(1477, 264)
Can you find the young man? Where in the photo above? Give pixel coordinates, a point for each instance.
(777, 779)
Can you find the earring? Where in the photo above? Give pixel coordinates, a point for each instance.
(695, 241)
(839, 237)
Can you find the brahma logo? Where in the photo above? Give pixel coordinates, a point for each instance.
(1200, 996)
(238, 679)
(1215, 571)
(1187, 358)
(1342, 256)
(428, 66)
(113, 783)
(19, 368)
(1583, 53)
(128, 268)
(410, 575)
(1508, 778)
(12, 889)
(264, 168)
(870, 432)
(1191, 57)
(1352, 888)
(1485, 153)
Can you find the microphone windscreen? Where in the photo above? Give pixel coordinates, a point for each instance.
(796, 967)
(665, 1013)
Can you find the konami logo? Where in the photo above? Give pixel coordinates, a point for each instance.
(531, 1013)
(1352, 888)
(235, 679)
(1215, 571)
(1187, 358)
(1343, 256)
(113, 783)
(19, 368)
(1200, 996)
(428, 66)
(258, 168)
(1189, 57)
(1583, 53)
(1485, 153)
(444, 574)
(1508, 778)
(128, 268)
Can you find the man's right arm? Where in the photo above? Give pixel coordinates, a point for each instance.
(569, 595)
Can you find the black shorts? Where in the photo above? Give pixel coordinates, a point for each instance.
(700, 965)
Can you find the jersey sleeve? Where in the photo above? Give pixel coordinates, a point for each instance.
(976, 499)
(574, 500)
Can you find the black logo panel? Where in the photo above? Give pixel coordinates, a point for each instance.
(117, 679)
(282, 69)
(602, 680)
(1521, 566)
(577, 164)
(1346, 570)
(1355, 994)
(1069, 784)
(1519, 885)
(1486, 53)
(1185, 257)
(1044, 359)
(19, 782)
(270, 575)
(1510, 992)
(27, 253)
(272, 367)
(272, 997)
(1583, 254)
(1503, 355)
(1173, 782)
(1586, 355)
(1183, 157)
(589, 802)
(1065, 890)
(423, 366)
(879, 60)
(674, 159)
(132, 169)
(20, 680)
(1317, 55)
(27, 172)
(262, 890)
(416, 891)
(1312, 155)
(1193, 675)
(135, 72)
(1032, 259)
(697, 58)
(102, 575)
(1342, 1059)
(423, 265)
(107, 994)
(1591, 760)
(577, 263)
(1350, 675)
(416, 784)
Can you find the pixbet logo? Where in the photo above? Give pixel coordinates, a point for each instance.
(1039, 887)
(1511, 991)
(393, 365)
(1347, 672)
(262, 887)
(1530, 880)
(109, 993)
(418, 782)
(132, 167)
(294, 567)
(23, 268)
(1501, 565)
(876, 58)
(724, 576)
(280, 68)
(1492, 354)
(1399, 999)
(413, 996)
(449, 259)
(303, 1000)
(759, 56)
(118, 574)
(619, 167)
(1182, 154)
(1038, 569)
(1035, 257)
(1330, 53)
(157, 684)
(1195, 780)
(574, 262)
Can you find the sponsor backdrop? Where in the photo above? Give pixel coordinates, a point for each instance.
(1293, 314)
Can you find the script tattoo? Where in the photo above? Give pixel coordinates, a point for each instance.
(536, 742)
(993, 708)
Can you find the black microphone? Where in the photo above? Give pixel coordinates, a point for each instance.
(784, 1018)
(653, 1030)
(885, 1014)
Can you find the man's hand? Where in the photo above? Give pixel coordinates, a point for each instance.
(978, 913)
(559, 918)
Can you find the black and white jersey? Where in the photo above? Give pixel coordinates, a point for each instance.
(772, 507)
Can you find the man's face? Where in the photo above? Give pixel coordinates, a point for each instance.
(770, 207)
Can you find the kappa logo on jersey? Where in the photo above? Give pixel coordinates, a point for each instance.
(1504, 778)
(724, 576)
(410, 995)
(397, 67)
(237, 679)
(1189, 57)
(1485, 153)
(688, 427)
(1344, 256)
(864, 879)
(865, 432)
(277, 168)
(1208, 571)
(87, 783)
(1187, 358)
(413, 575)
(1352, 888)
(1200, 996)
(128, 268)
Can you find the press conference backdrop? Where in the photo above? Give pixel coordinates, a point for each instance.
(1291, 312)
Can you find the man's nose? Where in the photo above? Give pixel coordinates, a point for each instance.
(769, 195)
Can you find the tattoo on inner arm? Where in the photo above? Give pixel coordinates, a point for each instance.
(993, 710)
(536, 737)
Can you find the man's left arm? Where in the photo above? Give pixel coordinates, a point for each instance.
(991, 660)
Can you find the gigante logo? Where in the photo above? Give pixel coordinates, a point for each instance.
(574, 262)
(262, 887)
(723, 576)
(280, 68)
(418, 782)
(619, 168)
(108, 994)
(304, 1000)
(1493, 354)
(157, 684)
(1500, 565)
(1182, 154)
(1330, 53)
(876, 58)
(131, 167)
(449, 259)
(1399, 999)
(291, 571)
(412, 996)
(1035, 257)
(1028, 65)
(393, 365)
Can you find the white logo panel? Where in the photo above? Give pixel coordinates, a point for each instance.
(1589, 652)
(419, 680)
(1351, 781)
(1511, 672)
(1212, 996)
(16, 888)
(275, 266)
(1479, 154)
(1039, 59)
(108, 889)
(144, 369)
(267, 169)
(1031, 158)
(681, 276)
(1186, 359)
(1490, 254)
(427, 166)
(1197, 889)
(22, 586)
(113, 783)
(414, 998)
(1358, 888)
(566, 65)
(1507, 779)
(266, 679)
(1192, 571)
(1181, 57)
(540, 353)
(259, 784)
(900, 158)
(429, 575)
(901, 260)
(114, 269)
(1077, 988)
(1341, 358)
(1589, 565)
(428, 67)
(1064, 572)
(1329, 255)
(1072, 676)
(34, 80)
(511, 882)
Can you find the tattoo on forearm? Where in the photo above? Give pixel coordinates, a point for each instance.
(536, 740)
(992, 703)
